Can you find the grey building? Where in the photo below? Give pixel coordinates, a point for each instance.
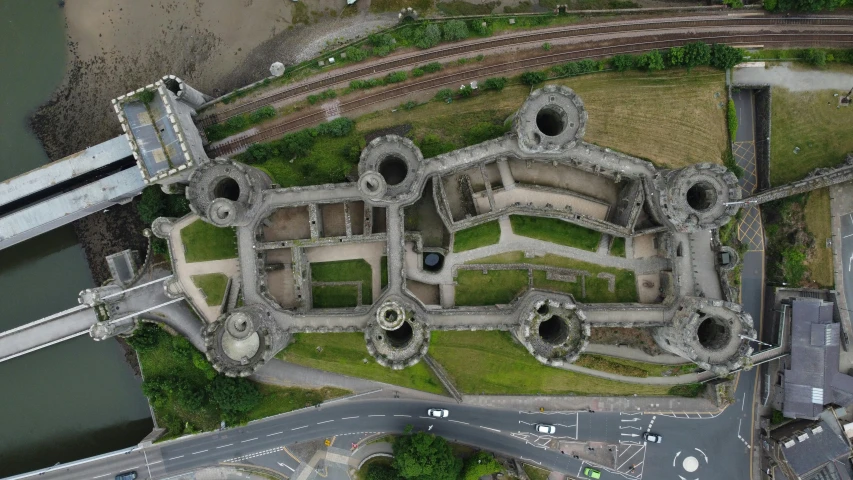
(812, 450)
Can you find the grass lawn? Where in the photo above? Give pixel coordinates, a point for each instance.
(818, 223)
(476, 237)
(346, 271)
(203, 242)
(536, 473)
(497, 287)
(334, 296)
(479, 289)
(213, 286)
(631, 368)
(555, 231)
(617, 249)
(492, 363)
(285, 399)
(810, 121)
(329, 161)
(344, 353)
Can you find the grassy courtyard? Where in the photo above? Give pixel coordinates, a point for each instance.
(345, 353)
(811, 122)
(476, 237)
(213, 286)
(340, 296)
(555, 231)
(492, 363)
(501, 286)
(203, 242)
(819, 224)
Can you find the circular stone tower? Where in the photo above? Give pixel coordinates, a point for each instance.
(552, 119)
(709, 333)
(226, 193)
(554, 332)
(695, 197)
(241, 340)
(396, 338)
(389, 169)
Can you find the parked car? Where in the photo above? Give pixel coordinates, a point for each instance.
(438, 412)
(652, 437)
(591, 472)
(545, 428)
(127, 476)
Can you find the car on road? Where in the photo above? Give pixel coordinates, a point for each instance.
(438, 412)
(591, 472)
(652, 437)
(545, 428)
(126, 476)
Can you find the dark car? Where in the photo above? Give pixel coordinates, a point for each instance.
(127, 476)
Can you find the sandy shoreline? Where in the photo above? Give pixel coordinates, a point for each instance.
(115, 46)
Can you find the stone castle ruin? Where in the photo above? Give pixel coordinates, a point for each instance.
(542, 168)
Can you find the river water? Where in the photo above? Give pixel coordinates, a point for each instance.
(77, 398)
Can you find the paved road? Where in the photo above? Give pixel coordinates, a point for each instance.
(847, 255)
(508, 432)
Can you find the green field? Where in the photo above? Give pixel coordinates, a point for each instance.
(810, 121)
(819, 224)
(617, 249)
(555, 231)
(345, 353)
(338, 296)
(631, 368)
(213, 285)
(476, 237)
(492, 363)
(205, 242)
(497, 287)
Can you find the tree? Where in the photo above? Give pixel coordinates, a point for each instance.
(533, 78)
(676, 56)
(356, 54)
(480, 464)
(696, 54)
(152, 204)
(651, 61)
(496, 83)
(234, 396)
(379, 471)
(422, 456)
(428, 37)
(455, 30)
(381, 40)
(146, 337)
(815, 57)
(725, 57)
(623, 62)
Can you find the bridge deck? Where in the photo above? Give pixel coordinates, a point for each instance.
(50, 330)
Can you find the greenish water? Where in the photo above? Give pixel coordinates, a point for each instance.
(77, 398)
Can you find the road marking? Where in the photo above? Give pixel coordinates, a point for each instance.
(743, 401)
(274, 434)
(676, 458)
(629, 459)
(249, 440)
(175, 458)
(286, 465)
(201, 451)
(845, 236)
(850, 263)
(297, 428)
(376, 415)
(223, 446)
(703, 454)
(630, 434)
(457, 421)
(155, 463)
(635, 428)
(348, 418)
(635, 419)
(492, 429)
(100, 476)
(428, 418)
(327, 421)
(403, 416)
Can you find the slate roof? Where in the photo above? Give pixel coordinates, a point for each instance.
(818, 453)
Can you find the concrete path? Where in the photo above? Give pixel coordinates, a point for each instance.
(675, 380)
(363, 452)
(527, 403)
(634, 354)
(793, 79)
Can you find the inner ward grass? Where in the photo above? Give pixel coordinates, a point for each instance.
(492, 363)
(346, 271)
(818, 223)
(555, 231)
(213, 286)
(476, 237)
(204, 242)
(345, 353)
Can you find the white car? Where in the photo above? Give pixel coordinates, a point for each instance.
(652, 437)
(438, 412)
(545, 428)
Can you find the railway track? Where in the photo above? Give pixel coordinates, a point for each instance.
(318, 116)
(439, 53)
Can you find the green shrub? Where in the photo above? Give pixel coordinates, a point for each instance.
(312, 99)
(483, 131)
(431, 67)
(383, 51)
(432, 145)
(691, 390)
(770, 5)
(466, 91)
(146, 336)
(261, 114)
(533, 78)
(396, 77)
(814, 56)
(428, 37)
(234, 396)
(479, 465)
(455, 30)
(496, 83)
(675, 56)
(155, 203)
(356, 54)
(146, 96)
(444, 94)
(339, 127)
(651, 61)
(381, 40)
(476, 26)
(379, 471)
(417, 72)
(237, 123)
(622, 62)
(731, 118)
(697, 54)
(793, 263)
(576, 68)
(725, 57)
(546, 46)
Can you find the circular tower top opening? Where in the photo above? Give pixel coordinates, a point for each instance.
(393, 169)
(713, 333)
(701, 196)
(400, 337)
(227, 188)
(554, 331)
(551, 120)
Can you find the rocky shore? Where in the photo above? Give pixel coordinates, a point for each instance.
(217, 45)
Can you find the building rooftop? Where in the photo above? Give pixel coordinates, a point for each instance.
(817, 452)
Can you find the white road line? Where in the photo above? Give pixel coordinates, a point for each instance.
(457, 421)
(629, 459)
(288, 466)
(223, 446)
(703, 454)
(348, 418)
(101, 476)
(297, 428)
(845, 236)
(155, 463)
(492, 429)
(743, 401)
(249, 440)
(201, 451)
(327, 421)
(403, 416)
(376, 415)
(676, 458)
(274, 434)
(175, 458)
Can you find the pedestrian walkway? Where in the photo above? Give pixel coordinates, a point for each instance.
(750, 229)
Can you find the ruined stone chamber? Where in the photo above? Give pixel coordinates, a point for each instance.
(555, 332)
(240, 341)
(709, 333)
(695, 197)
(552, 119)
(396, 337)
(226, 193)
(390, 170)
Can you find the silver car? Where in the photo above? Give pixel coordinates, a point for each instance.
(545, 428)
(652, 437)
(438, 412)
